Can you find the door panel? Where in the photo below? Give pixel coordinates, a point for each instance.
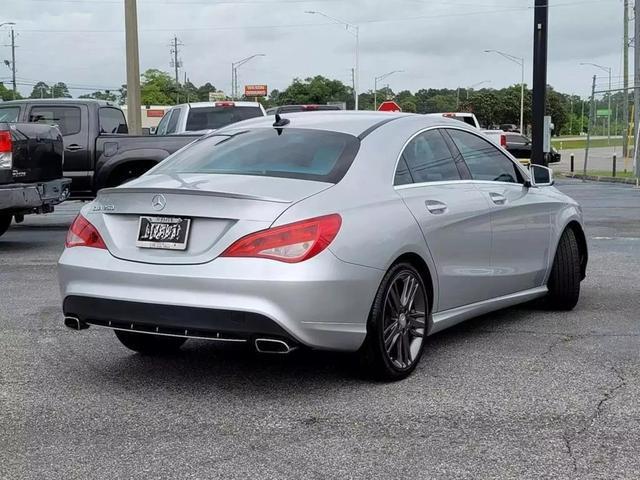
(456, 223)
(73, 123)
(521, 224)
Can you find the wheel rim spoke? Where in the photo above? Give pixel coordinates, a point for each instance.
(404, 319)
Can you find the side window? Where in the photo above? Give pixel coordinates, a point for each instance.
(112, 120)
(403, 177)
(9, 114)
(162, 126)
(173, 121)
(429, 159)
(67, 119)
(485, 160)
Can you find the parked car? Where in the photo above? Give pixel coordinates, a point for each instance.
(496, 136)
(520, 147)
(204, 117)
(30, 170)
(301, 108)
(363, 232)
(97, 153)
(510, 127)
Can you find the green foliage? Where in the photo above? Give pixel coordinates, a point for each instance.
(315, 90)
(107, 95)
(7, 93)
(60, 90)
(40, 90)
(157, 88)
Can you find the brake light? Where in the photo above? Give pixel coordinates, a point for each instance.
(503, 140)
(83, 234)
(310, 108)
(290, 243)
(6, 150)
(225, 104)
(448, 115)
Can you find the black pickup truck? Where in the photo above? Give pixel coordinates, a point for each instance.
(31, 180)
(98, 152)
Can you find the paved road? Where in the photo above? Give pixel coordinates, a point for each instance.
(523, 393)
(600, 159)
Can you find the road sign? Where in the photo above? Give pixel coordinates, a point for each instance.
(255, 90)
(389, 106)
(603, 112)
(217, 96)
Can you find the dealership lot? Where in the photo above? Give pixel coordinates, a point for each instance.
(522, 393)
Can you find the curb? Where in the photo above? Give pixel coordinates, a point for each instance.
(594, 178)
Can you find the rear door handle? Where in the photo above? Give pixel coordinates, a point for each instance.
(74, 147)
(435, 207)
(498, 198)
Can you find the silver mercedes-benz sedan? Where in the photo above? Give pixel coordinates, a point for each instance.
(345, 231)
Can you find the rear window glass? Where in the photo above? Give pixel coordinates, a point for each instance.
(67, 119)
(289, 153)
(9, 114)
(205, 118)
(112, 120)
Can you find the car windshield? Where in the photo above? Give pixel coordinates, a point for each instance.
(287, 152)
(211, 118)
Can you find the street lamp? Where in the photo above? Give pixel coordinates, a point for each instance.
(608, 70)
(375, 86)
(356, 30)
(519, 61)
(234, 73)
(7, 23)
(476, 85)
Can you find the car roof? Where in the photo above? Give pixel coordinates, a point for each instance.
(103, 103)
(350, 122)
(213, 104)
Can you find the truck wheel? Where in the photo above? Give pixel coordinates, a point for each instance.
(5, 222)
(148, 344)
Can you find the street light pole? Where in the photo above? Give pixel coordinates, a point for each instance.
(13, 57)
(519, 61)
(476, 85)
(356, 32)
(234, 73)
(133, 67)
(375, 86)
(608, 70)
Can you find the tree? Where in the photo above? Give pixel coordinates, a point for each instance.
(157, 88)
(107, 95)
(318, 90)
(203, 92)
(40, 90)
(408, 106)
(60, 90)
(7, 93)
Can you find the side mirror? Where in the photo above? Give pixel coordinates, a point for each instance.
(540, 176)
(146, 131)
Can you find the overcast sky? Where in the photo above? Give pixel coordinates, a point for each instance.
(437, 43)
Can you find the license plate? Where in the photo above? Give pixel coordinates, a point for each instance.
(170, 233)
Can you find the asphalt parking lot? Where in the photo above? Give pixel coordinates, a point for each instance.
(522, 393)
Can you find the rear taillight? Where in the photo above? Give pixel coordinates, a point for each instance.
(225, 104)
(6, 149)
(290, 243)
(503, 141)
(310, 108)
(83, 234)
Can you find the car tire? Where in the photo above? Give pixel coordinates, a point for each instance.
(564, 280)
(5, 223)
(379, 354)
(147, 344)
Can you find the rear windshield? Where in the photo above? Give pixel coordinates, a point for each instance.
(9, 114)
(465, 119)
(269, 152)
(205, 118)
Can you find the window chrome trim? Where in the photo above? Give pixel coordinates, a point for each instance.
(477, 133)
(454, 182)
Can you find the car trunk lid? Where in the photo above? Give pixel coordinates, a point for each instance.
(221, 209)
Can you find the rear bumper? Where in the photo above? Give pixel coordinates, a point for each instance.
(27, 196)
(322, 303)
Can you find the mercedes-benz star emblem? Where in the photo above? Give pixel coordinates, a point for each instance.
(158, 202)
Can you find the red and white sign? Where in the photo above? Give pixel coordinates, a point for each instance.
(255, 90)
(389, 106)
(152, 112)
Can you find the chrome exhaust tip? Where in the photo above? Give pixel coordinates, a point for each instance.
(272, 345)
(75, 323)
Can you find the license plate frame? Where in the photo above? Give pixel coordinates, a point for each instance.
(163, 238)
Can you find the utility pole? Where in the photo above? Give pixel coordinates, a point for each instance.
(13, 61)
(625, 98)
(636, 86)
(592, 119)
(133, 67)
(541, 19)
(176, 64)
(353, 82)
